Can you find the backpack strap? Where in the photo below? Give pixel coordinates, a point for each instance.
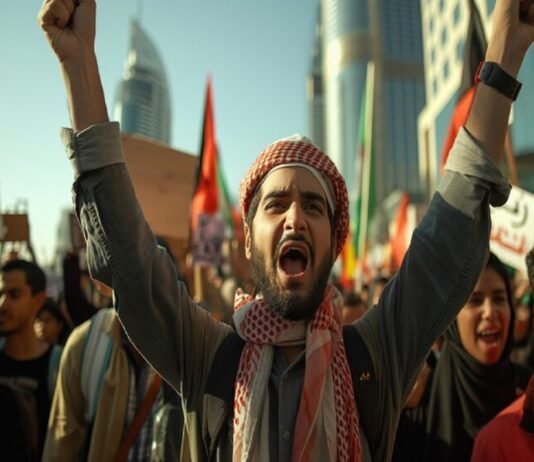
(53, 368)
(220, 390)
(364, 383)
(95, 360)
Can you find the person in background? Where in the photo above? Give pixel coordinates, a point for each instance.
(51, 325)
(108, 410)
(473, 378)
(509, 437)
(25, 361)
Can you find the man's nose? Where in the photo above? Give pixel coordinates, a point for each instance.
(295, 220)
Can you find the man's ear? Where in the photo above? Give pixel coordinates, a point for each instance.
(39, 299)
(248, 241)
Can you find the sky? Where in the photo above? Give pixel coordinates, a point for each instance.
(257, 52)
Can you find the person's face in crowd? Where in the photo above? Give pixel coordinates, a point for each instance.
(18, 305)
(47, 327)
(483, 323)
(290, 244)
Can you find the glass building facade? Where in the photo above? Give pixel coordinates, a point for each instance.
(387, 32)
(315, 90)
(142, 103)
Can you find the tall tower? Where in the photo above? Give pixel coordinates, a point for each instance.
(142, 103)
(315, 89)
(387, 32)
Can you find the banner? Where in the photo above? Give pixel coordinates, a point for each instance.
(512, 231)
(208, 239)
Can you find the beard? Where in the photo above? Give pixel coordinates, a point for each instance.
(289, 304)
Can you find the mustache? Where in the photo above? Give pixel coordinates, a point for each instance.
(295, 238)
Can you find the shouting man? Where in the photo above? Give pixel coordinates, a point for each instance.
(285, 386)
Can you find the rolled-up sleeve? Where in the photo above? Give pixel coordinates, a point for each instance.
(176, 336)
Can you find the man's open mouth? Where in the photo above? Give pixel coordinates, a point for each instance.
(293, 259)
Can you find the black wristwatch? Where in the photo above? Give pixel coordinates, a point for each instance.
(493, 75)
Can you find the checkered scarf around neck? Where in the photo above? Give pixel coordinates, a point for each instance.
(327, 393)
(298, 149)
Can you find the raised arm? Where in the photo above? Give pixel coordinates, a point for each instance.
(508, 44)
(450, 246)
(69, 26)
(177, 337)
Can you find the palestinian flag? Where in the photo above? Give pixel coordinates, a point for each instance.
(211, 196)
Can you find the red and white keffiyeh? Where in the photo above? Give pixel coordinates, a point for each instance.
(327, 405)
(299, 150)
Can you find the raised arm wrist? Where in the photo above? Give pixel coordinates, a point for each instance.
(85, 95)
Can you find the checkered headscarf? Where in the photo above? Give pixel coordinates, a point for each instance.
(299, 150)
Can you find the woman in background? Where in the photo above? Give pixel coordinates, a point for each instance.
(473, 379)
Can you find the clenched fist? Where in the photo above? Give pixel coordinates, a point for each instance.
(69, 26)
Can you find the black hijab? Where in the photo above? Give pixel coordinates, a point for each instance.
(466, 394)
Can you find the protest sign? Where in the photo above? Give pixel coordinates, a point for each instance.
(512, 231)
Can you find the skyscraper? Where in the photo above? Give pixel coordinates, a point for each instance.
(142, 103)
(315, 89)
(444, 30)
(388, 32)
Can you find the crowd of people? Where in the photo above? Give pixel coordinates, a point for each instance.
(433, 362)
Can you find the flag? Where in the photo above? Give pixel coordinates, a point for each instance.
(400, 236)
(211, 196)
(365, 205)
(474, 52)
(348, 264)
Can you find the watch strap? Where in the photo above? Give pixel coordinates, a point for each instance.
(495, 76)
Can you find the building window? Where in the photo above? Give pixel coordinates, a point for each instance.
(457, 14)
(446, 70)
(435, 87)
(444, 36)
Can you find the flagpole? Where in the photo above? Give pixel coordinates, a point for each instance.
(366, 167)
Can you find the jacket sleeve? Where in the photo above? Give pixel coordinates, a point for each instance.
(447, 252)
(66, 424)
(175, 335)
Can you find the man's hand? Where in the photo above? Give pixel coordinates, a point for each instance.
(511, 36)
(69, 26)
(509, 41)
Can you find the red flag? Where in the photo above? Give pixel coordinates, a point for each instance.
(474, 52)
(400, 238)
(206, 195)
